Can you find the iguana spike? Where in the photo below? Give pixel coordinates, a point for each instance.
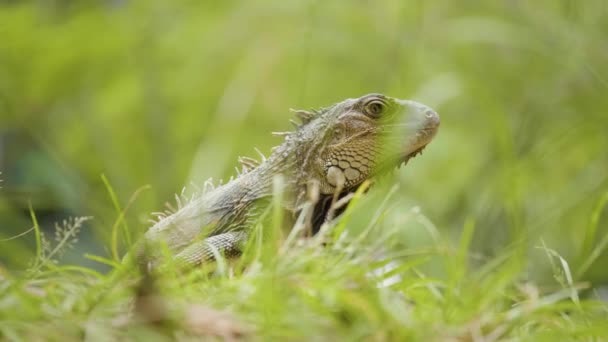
(248, 163)
(321, 110)
(170, 207)
(208, 185)
(183, 193)
(281, 134)
(178, 200)
(159, 215)
(295, 123)
(304, 115)
(262, 156)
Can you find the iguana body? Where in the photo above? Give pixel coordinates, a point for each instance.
(330, 153)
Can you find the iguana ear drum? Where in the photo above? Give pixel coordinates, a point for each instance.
(335, 177)
(343, 177)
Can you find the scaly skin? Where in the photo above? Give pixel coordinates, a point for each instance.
(330, 154)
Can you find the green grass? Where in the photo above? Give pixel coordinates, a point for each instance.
(343, 284)
(498, 230)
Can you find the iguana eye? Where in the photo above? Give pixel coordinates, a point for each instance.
(374, 108)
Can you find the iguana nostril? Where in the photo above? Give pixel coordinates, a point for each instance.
(432, 116)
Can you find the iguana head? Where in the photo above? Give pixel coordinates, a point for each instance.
(357, 139)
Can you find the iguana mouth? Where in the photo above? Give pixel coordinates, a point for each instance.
(413, 148)
(423, 138)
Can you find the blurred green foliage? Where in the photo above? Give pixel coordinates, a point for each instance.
(165, 93)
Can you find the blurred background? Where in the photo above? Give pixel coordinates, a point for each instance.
(164, 93)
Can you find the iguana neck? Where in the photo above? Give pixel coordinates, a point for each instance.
(295, 160)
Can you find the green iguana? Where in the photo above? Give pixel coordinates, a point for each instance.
(332, 151)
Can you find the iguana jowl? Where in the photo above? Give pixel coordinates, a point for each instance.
(333, 150)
